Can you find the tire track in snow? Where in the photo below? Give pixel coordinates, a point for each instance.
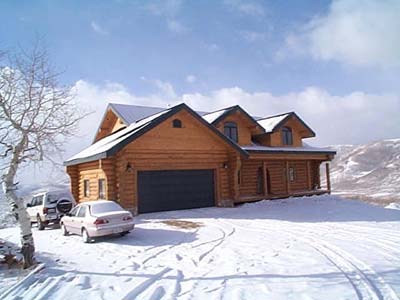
(366, 283)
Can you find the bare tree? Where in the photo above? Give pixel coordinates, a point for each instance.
(37, 113)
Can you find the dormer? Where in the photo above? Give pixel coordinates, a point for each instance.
(285, 130)
(236, 124)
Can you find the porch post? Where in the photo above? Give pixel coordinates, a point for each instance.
(328, 179)
(287, 178)
(265, 183)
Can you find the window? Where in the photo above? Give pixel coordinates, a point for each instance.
(82, 212)
(102, 189)
(86, 188)
(291, 174)
(39, 200)
(231, 131)
(287, 137)
(177, 123)
(260, 176)
(74, 211)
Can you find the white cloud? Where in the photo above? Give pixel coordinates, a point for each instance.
(246, 7)
(97, 28)
(362, 33)
(176, 27)
(191, 78)
(354, 118)
(357, 117)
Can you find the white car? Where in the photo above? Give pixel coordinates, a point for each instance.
(97, 218)
(48, 207)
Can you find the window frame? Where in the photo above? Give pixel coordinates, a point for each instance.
(101, 192)
(231, 131)
(287, 136)
(291, 174)
(86, 188)
(176, 123)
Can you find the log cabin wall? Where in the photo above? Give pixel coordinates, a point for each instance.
(279, 182)
(250, 173)
(166, 148)
(92, 172)
(73, 173)
(298, 181)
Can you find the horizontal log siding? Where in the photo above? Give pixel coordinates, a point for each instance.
(300, 182)
(276, 170)
(90, 171)
(73, 173)
(249, 178)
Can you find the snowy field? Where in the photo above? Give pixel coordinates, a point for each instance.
(302, 248)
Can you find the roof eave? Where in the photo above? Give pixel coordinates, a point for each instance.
(327, 152)
(82, 160)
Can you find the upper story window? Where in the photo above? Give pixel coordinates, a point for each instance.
(287, 136)
(177, 123)
(231, 131)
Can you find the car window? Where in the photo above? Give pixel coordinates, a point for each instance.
(33, 202)
(51, 198)
(82, 211)
(105, 207)
(39, 200)
(74, 211)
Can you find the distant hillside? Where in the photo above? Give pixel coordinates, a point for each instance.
(370, 171)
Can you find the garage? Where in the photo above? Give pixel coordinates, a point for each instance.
(174, 190)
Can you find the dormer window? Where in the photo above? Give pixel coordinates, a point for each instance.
(177, 123)
(231, 131)
(287, 136)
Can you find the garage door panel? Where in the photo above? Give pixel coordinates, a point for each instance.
(175, 189)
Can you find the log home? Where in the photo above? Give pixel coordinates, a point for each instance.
(151, 159)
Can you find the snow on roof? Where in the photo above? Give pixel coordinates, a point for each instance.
(211, 117)
(105, 144)
(133, 113)
(305, 148)
(270, 123)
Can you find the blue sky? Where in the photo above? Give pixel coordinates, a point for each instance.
(221, 44)
(336, 63)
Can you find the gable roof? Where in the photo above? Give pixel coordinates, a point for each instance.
(273, 123)
(116, 141)
(216, 116)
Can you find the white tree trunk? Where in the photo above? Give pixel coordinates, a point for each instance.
(18, 208)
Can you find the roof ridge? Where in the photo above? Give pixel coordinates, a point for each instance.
(114, 103)
(279, 115)
(226, 108)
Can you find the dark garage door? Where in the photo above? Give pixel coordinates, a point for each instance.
(175, 189)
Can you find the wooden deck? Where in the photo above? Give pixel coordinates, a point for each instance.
(244, 199)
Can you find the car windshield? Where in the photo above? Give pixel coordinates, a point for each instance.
(104, 207)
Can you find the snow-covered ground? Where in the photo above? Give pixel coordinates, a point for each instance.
(301, 248)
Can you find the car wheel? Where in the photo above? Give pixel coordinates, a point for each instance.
(64, 230)
(40, 224)
(124, 233)
(85, 236)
